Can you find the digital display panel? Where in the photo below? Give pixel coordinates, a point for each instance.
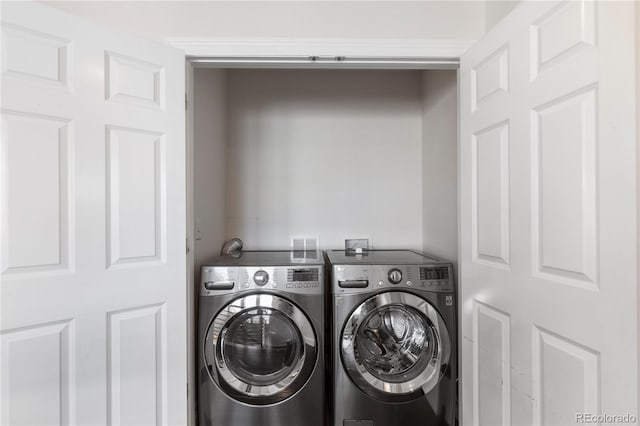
(303, 274)
(434, 273)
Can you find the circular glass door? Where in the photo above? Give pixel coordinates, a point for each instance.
(395, 346)
(260, 349)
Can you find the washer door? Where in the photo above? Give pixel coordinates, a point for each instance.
(395, 346)
(260, 349)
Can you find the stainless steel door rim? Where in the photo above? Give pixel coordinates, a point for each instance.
(266, 387)
(413, 381)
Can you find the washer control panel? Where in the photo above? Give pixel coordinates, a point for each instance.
(216, 280)
(358, 278)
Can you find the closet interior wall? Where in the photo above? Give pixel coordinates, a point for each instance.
(327, 154)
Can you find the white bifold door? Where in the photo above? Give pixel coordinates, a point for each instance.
(549, 217)
(93, 322)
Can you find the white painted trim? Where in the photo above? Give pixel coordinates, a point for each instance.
(637, 25)
(192, 323)
(261, 47)
(461, 419)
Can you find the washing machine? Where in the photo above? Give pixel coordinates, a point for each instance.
(393, 340)
(261, 340)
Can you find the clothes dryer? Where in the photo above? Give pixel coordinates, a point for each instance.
(261, 340)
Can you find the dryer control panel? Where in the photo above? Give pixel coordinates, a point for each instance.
(216, 280)
(348, 279)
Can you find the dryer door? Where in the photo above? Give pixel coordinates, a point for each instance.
(395, 346)
(260, 349)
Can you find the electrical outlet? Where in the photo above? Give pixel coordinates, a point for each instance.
(357, 245)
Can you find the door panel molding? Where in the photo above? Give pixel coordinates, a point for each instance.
(497, 357)
(37, 241)
(56, 394)
(137, 369)
(36, 57)
(581, 389)
(490, 195)
(565, 248)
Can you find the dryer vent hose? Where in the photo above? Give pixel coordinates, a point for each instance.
(233, 247)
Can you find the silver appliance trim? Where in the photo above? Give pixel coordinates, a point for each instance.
(373, 386)
(248, 392)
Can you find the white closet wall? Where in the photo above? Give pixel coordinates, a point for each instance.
(332, 154)
(328, 153)
(439, 164)
(209, 140)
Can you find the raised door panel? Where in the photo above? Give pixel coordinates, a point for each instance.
(561, 32)
(133, 81)
(566, 379)
(137, 366)
(136, 193)
(490, 77)
(564, 167)
(35, 57)
(491, 365)
(37, 384)
(490, 193)
(37, 166)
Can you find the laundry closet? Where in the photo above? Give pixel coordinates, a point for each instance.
(304, 158)
(322, 155)
(517, 161)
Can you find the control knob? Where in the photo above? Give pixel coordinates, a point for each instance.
(395, 276)
(261, 278)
